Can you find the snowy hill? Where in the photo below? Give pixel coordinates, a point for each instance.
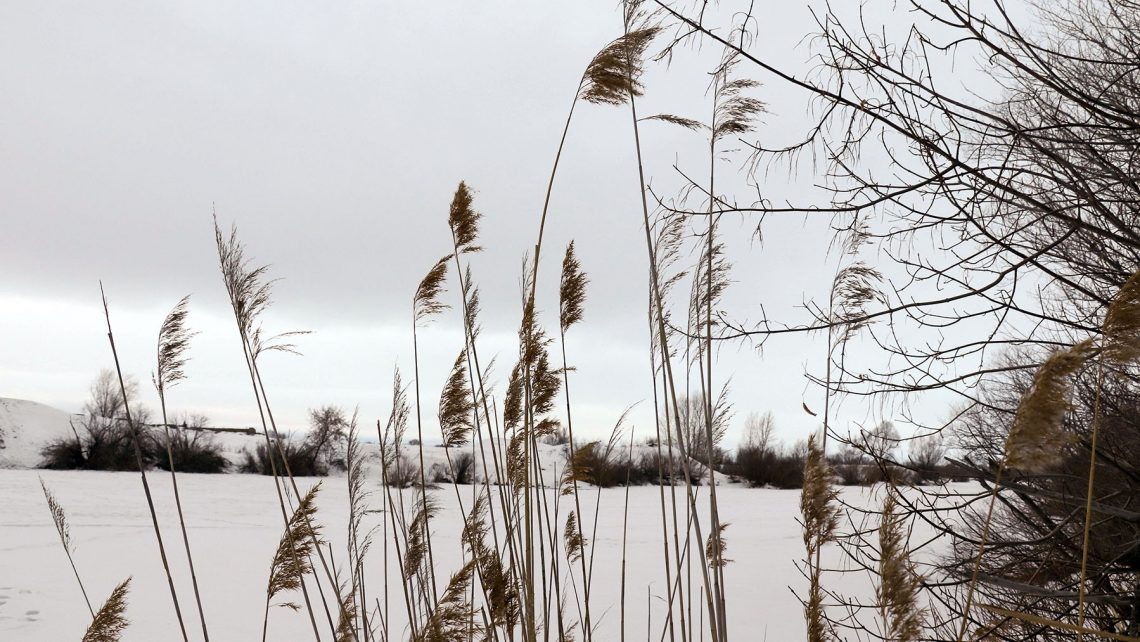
(25, 427)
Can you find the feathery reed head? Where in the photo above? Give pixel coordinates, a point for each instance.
(453, 618)
(464, 220)
(572, 292)
(357, 489)
(456, 405)
(1121, 327)
(820, 520)
(301, 537)
(614, 74)
(517, 473)
(716, 546)
(735, 113)
(502, 595)
(1038, 439)
(397, 425)
(513, 405)
(58, 517)
(248, 287)
(346, 620)
(853, 288)
(471, 306)
(426, 302)
(260, 343)
(708, 288)
(818, 498)
(173, 341)
(899, 583)
(415, 558)
(680, 121)
(110, 621)
(575, 540)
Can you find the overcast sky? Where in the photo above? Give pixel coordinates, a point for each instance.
(333, 135)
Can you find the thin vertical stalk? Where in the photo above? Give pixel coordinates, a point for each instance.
(142, 467)
(663, 336)
(423, 475)
(1089, 500)
(181, 519)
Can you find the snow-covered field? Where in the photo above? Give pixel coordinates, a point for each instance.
(235, 524)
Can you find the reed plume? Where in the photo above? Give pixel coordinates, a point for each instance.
(110, 621)
(500, 591)
(1121, 346)
(464, 220)
(734, 112)
(572, 290)
(714, 549)
(820, 515)
(248, 287)
(416, 557)
(346, 619)
(1121, 326)
(614, 74)
(59, 518)
(898, 581)
(456, 405)
(471, 306)
(173, 342)
(426, 303)
(1038, 440)
(680, 121)
(575, 541)
(453, 618)
(297, 544)
(853, 288)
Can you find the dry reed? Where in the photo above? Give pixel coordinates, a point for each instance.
(110, 622)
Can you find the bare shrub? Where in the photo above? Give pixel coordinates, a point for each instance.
(767, 466)
(926, 458)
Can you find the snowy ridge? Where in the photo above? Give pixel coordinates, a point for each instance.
(25, 428)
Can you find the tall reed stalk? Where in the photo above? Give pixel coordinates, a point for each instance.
(173, 341)
(136, 442)
(628, 64)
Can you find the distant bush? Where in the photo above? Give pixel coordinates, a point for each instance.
(927, 459)
(302, 459)
(616, 468)
(102, 439)
(401, 472)
(659, 468)
(193, 451)
(852, 467)
(63, 454)
(767, 466)
(463, 467)
(101, 445)
(321, 449)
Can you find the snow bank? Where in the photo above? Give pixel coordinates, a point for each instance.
(25, 428)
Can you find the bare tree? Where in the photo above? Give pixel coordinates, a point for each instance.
(758, 429)
(1011, 220)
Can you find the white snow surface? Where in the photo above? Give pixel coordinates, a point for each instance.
(235, 522)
